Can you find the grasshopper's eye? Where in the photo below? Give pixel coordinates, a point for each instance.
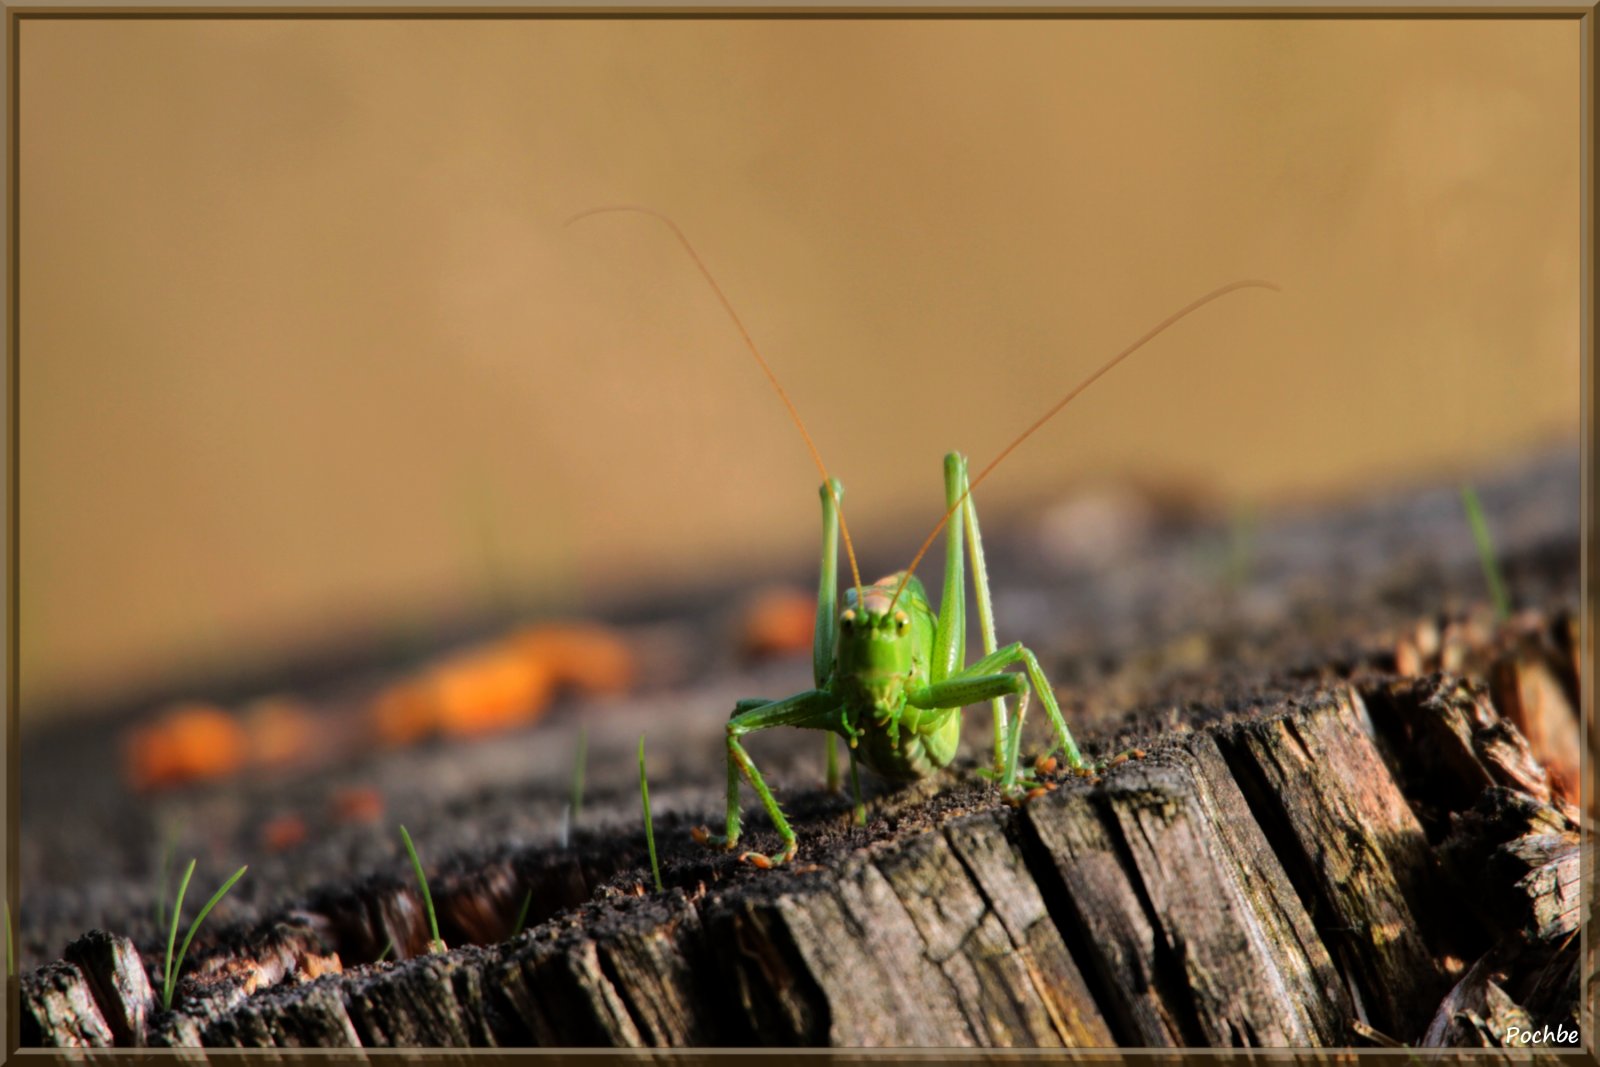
(901, 621)
(847, 620)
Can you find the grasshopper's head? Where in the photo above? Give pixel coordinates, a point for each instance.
(879, 639)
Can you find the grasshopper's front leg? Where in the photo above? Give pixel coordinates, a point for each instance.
(814, 709)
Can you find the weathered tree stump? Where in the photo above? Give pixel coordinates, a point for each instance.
(1354, 837)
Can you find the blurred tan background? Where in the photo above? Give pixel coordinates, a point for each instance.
(305, 349)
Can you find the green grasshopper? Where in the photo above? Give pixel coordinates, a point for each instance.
(890, 673)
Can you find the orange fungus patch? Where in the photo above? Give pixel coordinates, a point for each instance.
(189, 742)
(283, 833)
(403, 713)
(586, 656)
(280, 731)
(778, 622)
(502, 685)
(485, 692)
(357, 804)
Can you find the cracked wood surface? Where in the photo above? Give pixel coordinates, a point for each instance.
(1281, 869)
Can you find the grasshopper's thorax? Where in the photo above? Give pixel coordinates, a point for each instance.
(882, 651)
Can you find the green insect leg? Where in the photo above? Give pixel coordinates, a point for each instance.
(950, 632)
(855, 787)
(827, 607)
(968, 687)
(814, 709)
(980, 586)
(1014, 744)
(1047, 697)
(742, 708)
(980, 681)
(1052, 710)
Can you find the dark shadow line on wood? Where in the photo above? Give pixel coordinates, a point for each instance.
(741, 920)
(1008, 829)
(1167, 953)
(1073, 928)
(619, 989)
(1446, 926)
(1273, 821)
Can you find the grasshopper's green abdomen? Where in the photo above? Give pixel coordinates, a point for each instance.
(915, 755)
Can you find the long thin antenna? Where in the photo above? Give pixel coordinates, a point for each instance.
(816, 457)
(1063, 402)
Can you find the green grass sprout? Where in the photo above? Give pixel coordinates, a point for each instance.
(522, 913)
(388, 947)
(578, 762)
(175, 966)
(437, 944)
(1486, 556)
(649, 827)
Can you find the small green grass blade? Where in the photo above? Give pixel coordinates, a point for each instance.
(522, 913)
(578, 763)
(388, 947)
(1486, 555)
(194, 927)
(649, 828)
(437, 945)
(172, 936)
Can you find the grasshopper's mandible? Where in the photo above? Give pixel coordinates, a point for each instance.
(890, 674)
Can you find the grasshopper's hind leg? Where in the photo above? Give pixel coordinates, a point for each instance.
(827, 608)
(1007, 733)
(814, 709)
(956, 487)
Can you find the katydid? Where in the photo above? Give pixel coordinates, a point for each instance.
(890, 674)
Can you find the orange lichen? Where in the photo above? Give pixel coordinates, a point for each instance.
(586, 656)
(189, 742)
(357, 804)
(503, 684)
(484, 692)
(778, 622)
(403, 714)
(280, 731)
(283, 832)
